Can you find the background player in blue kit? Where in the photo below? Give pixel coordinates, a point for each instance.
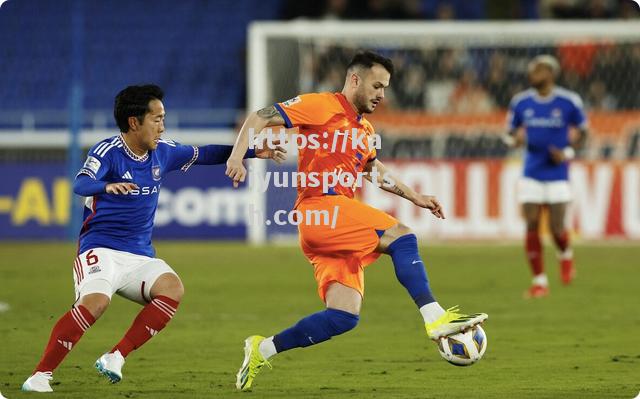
(121, 179)
(546, 112)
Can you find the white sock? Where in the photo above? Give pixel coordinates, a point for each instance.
(566, 254)
(541, 279)
(431, 312)
(267, 348)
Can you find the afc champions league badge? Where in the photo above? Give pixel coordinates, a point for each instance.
(155, 172)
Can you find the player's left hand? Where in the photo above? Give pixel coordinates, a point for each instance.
(431, 203)
(557, 155)
(236, 171)
(276, 153)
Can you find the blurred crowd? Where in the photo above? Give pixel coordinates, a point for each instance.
(460, 9)
(482, 80)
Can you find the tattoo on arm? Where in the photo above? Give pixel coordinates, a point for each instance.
(272, 115)
(394, 189)
(268, 112)
(398, 191)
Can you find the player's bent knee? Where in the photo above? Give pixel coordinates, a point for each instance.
(398, 231)
(95, 303)
(341, 321)
(341, 297)
(168, 285)
(391, 235)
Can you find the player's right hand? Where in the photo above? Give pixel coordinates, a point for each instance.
(236, 171)
(431, 203)
(120, 188)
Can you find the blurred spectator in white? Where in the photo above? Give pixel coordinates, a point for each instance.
(443, 82)
(469, 97)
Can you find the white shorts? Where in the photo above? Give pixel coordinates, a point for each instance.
(533, 191)
(107, 271)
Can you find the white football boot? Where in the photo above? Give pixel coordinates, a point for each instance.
(38, 382)
(110, 365)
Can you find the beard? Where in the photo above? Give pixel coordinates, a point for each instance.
(362, 104)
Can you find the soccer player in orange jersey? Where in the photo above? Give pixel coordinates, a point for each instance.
(361, 233)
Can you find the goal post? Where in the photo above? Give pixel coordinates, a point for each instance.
(430, 116)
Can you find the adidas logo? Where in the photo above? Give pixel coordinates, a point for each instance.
(127, 175)
(151, 331)
(66, 344)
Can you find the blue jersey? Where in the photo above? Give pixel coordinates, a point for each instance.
(124, 222)
(546, 121)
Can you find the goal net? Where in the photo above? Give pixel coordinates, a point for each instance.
(444, 112)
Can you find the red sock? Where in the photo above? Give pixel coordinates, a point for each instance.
(65, 334)
(562, 241)
(151, 319)
(534, 252)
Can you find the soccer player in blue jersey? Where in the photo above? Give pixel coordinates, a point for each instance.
(546, 112)
(121, 179)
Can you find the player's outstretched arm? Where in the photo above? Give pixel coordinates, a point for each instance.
(214, 154)
(84, 185)
(378, 171)
(256, 121)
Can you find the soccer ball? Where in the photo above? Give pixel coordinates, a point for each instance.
(464, 349)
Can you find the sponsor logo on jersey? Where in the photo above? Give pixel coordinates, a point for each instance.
(292, 101)
(554, 120)
(92, 164)
(146, 190)
(127, 175)
(155, 171)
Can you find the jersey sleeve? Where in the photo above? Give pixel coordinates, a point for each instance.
(98, 162)
(514, 115)
(311, 109)
(179, 156)
(577, 116)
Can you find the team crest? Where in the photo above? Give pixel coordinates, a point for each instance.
(292, 101)
(528, 113)
(155, 171)
(556, 113)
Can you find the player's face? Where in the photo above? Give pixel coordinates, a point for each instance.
(370, 91)
(152, 126)
(540, 75)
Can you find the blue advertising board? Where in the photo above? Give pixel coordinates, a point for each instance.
(199, 204)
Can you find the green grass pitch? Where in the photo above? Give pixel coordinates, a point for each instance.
(581, 342)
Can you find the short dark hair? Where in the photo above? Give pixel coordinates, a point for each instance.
(134, 101)
(368, 58)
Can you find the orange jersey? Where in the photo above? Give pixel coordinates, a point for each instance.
(337, 142)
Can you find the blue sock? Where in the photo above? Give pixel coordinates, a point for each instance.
(315, 328)
(410, 270)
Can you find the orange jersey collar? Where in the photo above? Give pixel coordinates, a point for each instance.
(348, 107)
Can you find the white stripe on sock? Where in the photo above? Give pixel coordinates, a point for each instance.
(165, 306)
(154, 303)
